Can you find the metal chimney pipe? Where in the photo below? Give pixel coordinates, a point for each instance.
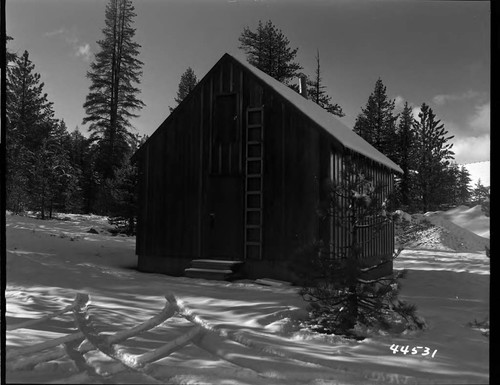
(303, 86)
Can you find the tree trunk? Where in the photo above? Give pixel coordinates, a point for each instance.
(42, 208)
(131, 225)
(352, 308)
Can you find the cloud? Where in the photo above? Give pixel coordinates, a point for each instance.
(467, 148)
(471, 141)
(79, 49)
(415, 111)
(479, 171)
(399, 102)
(469, 145)
(480, 121)
(72, 40)
(471, 149)
(445, 98)
(84, 51)
(474, 124)
(453, 128)
(59, 31)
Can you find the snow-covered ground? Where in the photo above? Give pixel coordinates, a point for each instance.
(49, 261)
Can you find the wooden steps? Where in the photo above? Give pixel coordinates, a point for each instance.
(272, 282)
(216, 269)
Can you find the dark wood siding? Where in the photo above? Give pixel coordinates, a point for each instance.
(377, 241)
(301, 176)
(273, 188)
(170, 178)
(226, 136)
(181, 161)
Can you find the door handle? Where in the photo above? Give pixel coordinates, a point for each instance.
(212, 220)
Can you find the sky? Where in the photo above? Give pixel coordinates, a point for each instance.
(437, 52)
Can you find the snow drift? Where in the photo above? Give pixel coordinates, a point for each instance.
(461, 229)
(49, 261)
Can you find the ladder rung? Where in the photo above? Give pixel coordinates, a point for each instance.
(254, 180)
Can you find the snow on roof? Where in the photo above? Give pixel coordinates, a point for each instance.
(324, 119)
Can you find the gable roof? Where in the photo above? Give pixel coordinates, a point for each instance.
(346, 136)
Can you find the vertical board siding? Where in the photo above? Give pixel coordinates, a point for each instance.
(206, 119)
(226, 137)
(231, 77)
(201, 213)
(376, 241)
(171, 206)
(273, 188)
(255, 92)
(175, 175)
(301, 181)
(209, 126)
(239, 90)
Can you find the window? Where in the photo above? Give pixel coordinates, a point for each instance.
(225, 151)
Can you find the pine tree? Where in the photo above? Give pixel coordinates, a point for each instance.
(40, 173)
(480, 193)
(269, 50)
(447, 195)
(82, 152)
(404, 153)
(339, 284)
(433, 153)
(123, 191)
(28, 109)
(316, 92)
(9, 55)
(50, 173)
(377, 122)
(186, 85)
(30, 121)
(464, 191)
(65, 176)
(113, 96)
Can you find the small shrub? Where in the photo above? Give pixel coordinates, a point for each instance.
(348, 291)
(342, 302)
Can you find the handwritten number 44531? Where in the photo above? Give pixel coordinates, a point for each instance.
(423, 350)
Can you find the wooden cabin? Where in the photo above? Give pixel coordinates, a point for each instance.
(235, 174)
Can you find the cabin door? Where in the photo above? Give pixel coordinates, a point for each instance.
(224, 233)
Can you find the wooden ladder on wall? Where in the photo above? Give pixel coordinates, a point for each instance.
(254, 167)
